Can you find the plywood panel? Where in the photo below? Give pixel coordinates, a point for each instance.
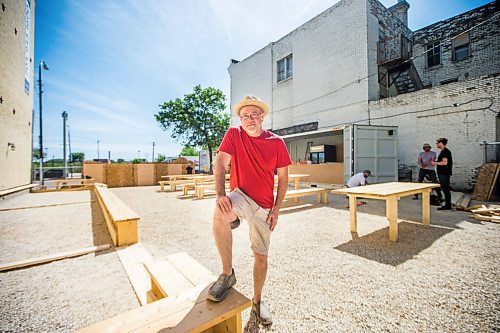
(144, 174)
(328, 173)
(120, 175)
(95, 170)
(485, 181)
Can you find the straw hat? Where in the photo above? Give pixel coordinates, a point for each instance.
(251, 100)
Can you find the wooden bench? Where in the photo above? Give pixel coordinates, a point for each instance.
(120, 219)
(186, 309)
(163, 183)
(72, 182)
(200, 189)
(319, 192)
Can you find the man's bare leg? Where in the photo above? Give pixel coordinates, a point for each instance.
(224, 238)
(259, 275)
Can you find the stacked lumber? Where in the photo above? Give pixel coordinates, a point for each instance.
(487, 214)
(463, 202)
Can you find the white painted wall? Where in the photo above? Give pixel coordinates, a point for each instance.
(425, 115)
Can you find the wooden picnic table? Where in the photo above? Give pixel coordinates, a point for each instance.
(295, 177)
(391, 193)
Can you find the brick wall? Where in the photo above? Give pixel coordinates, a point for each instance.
(464, 112)
(15, 104)
(329, 83)
(484, 43)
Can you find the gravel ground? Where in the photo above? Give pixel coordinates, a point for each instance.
(321, 278)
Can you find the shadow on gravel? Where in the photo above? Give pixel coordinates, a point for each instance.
(100, 231)
(412, 239)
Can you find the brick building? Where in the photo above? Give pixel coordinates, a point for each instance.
(359, 63)
(17, 26)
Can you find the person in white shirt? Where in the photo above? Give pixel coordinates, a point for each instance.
(359, 179)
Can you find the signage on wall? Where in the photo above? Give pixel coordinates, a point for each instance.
(27, 25)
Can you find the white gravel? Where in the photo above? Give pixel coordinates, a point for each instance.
(442, 278)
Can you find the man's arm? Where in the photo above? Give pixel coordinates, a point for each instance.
(444, 161)
(221, 163)
(272, 218)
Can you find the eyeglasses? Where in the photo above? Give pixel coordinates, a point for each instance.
(250, 116)
(427, 147)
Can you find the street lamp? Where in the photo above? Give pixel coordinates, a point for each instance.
(41, 65)
(98, 149)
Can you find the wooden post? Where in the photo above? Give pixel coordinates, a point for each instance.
(391, 205)
(426, 208)
(352, 213)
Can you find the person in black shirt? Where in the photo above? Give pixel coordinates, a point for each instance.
(444, 163)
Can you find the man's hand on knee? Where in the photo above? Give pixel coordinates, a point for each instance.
(224, 204)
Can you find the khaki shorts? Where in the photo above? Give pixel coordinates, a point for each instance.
(245, 208)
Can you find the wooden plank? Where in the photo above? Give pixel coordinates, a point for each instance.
(352, 213)
(391, 205)
(167, 278)
(17, 189)
(493, 183)
(133, 258)
(426, 208)
(191, 269)
(53, 257)
(187, 312)
(456, 197)
(464, 203)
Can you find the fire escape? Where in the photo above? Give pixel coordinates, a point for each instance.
(396, 72)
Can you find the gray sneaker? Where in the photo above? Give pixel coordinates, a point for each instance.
(262, 312)
(218, 290)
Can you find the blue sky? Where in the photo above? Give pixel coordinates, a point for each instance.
(112, 62)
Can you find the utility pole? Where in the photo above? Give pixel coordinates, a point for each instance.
(70, 155)
(65, 172)
(153, 158)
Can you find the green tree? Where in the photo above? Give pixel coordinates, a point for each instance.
(36, 153)
(189, 151)
(77, 157)
(120, 160)
(161, 158)
(196, 120)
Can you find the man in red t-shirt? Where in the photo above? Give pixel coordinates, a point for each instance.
(254, 154)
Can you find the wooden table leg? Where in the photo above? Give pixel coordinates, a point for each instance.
(352, 213)
(426, 207)
(296, 185)
(391, 206)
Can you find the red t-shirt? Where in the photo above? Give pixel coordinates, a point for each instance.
(253, 162)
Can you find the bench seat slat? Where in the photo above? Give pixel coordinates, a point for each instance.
(191, 269)
(167, 278)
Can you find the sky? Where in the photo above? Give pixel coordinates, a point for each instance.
(113, 62)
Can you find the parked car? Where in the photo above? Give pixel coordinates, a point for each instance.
(50, 174)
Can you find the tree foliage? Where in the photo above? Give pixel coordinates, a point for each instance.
(189, 151)
(161, 158)
(198, 119)
(77, 157)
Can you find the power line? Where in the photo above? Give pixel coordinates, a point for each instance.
(370, 75)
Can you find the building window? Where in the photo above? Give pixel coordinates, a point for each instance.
(285, 68)
(461, 47)
(433, 54)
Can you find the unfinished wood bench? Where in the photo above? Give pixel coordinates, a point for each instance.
(179, 302)
(319, 192)
(163, 183)
(120, 219)
(200, 189)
